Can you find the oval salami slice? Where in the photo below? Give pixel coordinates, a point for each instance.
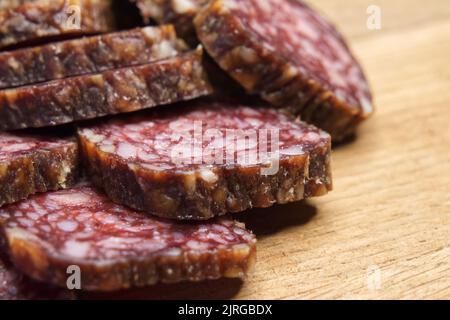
(30, 164)
(14, 286)
(206, 159)
(109, 92)
(181, 13)
(33, 21)
(115, 247)
(88, 55)
(291, 56)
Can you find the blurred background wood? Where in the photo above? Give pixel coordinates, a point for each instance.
(384, 232)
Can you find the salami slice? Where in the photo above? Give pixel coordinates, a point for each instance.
(291, 56)
(36, 20)
(181, 13)
(207, 159)
(88, 55)
(14, 286)
(115, 247)
(109, 92)
(30, 164)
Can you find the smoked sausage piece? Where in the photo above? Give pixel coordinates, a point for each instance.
(113, 247)
(36, 21)
(15, 286)
(30, 164)
(109, 92)
(205, 159)
(291, 56)
(88, 55)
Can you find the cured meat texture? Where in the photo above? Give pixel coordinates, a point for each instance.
(14, 286)
(30, 164)
(36, 20)
(9, 4)
(206, 159)
(291, 56)
(115, 247)
(109, 92)
(88, 55)
(179, 12)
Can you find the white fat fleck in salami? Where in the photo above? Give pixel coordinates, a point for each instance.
(184, 6)
(115, 246)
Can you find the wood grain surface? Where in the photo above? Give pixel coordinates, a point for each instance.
(384, 232)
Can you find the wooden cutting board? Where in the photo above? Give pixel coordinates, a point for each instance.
(384, 232)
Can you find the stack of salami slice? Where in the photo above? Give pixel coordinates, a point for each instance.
(120, 161)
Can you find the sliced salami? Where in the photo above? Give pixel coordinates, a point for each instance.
(33, 21)
(181, 13)
(115, 247)
(14, 286)
(291, 56)
(30, 164)
(206, 159)
(109, 92)
(88, 55)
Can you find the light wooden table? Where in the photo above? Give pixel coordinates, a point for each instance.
(384, 232)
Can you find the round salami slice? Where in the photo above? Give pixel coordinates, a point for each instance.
(112, 247)
(14, 286)
(206, 159)
(291, 56)
(88, 55)
(34, 21)
(30, 164)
